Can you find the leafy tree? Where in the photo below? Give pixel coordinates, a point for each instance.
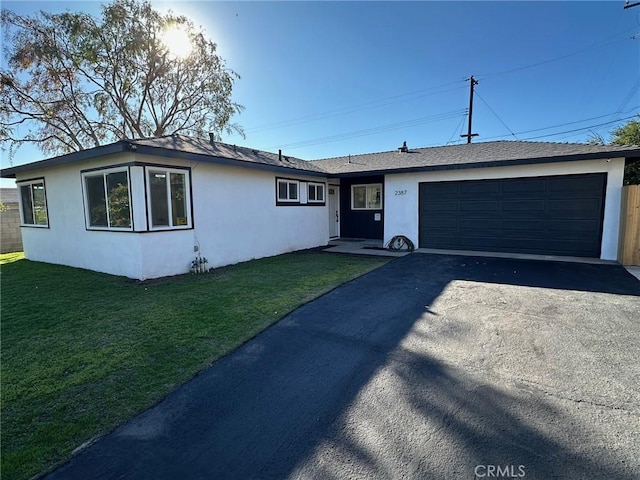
(629, 134)
(73, 81)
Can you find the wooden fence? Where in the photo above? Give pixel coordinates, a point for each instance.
(629, 247)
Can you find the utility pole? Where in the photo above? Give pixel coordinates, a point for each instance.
(469, 135)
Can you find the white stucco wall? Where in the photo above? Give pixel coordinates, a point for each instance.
(235, 219)
(66, 241)
(401, 210)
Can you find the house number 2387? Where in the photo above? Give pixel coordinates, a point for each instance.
(401, 192)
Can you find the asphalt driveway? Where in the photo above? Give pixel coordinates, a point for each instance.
(430, 367)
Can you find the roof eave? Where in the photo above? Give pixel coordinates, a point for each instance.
(203, 157)
(498, 163)
(88, 154)
(132, 146)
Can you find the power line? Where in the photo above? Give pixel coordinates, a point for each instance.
(580, 129)
(440, 117)
(554, 134)
(419, 93)
(371, 131)
(573, 123)
(458, 126)
(601, 43)
(496, 115)
(629, 95)
(358, 107)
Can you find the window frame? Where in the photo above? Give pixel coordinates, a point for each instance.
(367, 186)
(29, 183)
(316, 186)
(148, 170)
(87, 214)
(288, 200)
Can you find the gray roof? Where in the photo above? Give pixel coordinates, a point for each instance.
(184, 147)
(8, 195)
(198, 146)
(472, 155)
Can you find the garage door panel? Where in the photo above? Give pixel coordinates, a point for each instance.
(482, 207)
(574, 226)
(574, 208)
(558, 186)
(439, 207)
(520, 186)
(444, 190)
(523, 206)
(523, 225)
(554, 215)
(473, 224)
(485, 188)
(440, 224)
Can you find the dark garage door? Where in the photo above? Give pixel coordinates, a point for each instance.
(559, 215)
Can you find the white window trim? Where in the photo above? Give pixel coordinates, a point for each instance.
(87, 213)
(368, 186)
(317, 185)
(187, 187)
(20, 184)
(288, 182)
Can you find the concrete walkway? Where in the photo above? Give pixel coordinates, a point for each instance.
(432, 366)
(362, 247)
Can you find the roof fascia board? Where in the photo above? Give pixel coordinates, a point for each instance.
(90, 153)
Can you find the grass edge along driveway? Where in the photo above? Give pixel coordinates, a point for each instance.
(82, 351)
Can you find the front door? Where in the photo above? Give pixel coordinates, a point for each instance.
(334, 211)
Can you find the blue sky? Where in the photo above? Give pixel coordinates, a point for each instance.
(322, 79)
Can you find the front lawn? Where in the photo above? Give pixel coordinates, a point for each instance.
(82, 351)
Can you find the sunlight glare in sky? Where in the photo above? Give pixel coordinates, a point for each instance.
(177, 41)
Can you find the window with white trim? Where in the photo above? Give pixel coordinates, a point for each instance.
(107, 199)
(366, 197)
(288, 190)
(315, 192)
(33, 203)
(168, 198)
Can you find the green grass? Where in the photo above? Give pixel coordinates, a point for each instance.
(82, 352)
